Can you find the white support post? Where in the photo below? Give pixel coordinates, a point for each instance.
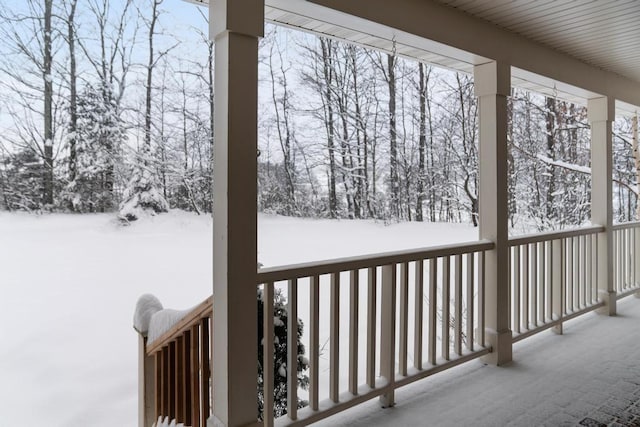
(492, 87)
(235, 26)
(601, 112)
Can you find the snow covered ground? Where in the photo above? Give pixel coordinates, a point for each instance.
(68, 353)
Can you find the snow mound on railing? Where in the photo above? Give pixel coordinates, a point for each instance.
(166, 423)
(152, 320)
(164, 320)
(146, 307)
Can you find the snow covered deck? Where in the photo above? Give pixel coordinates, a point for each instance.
(511, 296)
(403, 317)
(588, 376)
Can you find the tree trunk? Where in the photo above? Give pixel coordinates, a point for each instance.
(347, 165)
(47, 198)
(422, 141)
(511, 163)
(284, 131)
(326, 44)
(150, 66)
(211, 100)
(432, 163)
(73, 92)
(550, 120)
(361, 195)
(393, 148)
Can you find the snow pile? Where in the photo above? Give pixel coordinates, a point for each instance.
(146, 307)
(164, 320)
(152, 320)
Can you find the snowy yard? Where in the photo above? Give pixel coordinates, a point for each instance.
(70, 284)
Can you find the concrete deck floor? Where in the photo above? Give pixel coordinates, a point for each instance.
(588, 376)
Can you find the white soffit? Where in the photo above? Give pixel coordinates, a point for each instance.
(323, 22)
(305, 16)
(602, 33)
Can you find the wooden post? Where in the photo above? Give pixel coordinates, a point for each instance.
(148, 369)
(146, 385)
(235, 26)
(492, 87)
(601, 112)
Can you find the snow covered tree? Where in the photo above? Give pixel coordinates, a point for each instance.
(21, 181)
(142, 193)
(551, 155)
(626, 169)
(280, 357)
(99, 136)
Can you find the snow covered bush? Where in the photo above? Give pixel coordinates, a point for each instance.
(280, 357)
(142, 195)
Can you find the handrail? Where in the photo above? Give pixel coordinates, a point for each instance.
(177, 376)
(274, 274)
(175, 366)
(626, 225)
(296, 271)
(174, 369)
(199, 312)
(555, 235)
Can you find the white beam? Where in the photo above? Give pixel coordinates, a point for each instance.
(236, 26)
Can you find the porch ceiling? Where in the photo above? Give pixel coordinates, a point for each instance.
(602, 33)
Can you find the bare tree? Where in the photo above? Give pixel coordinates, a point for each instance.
(469, 153)
(29, 38)
(73, 88)
(116, 34)
(423, 81)
(390, 77)
(282, 110)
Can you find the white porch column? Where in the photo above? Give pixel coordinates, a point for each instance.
(492, 86)
(601, 113)
(236, 26)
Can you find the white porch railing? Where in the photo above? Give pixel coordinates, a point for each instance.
(553, 279)
(432, 299)
(375, 323)
(626, 247)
